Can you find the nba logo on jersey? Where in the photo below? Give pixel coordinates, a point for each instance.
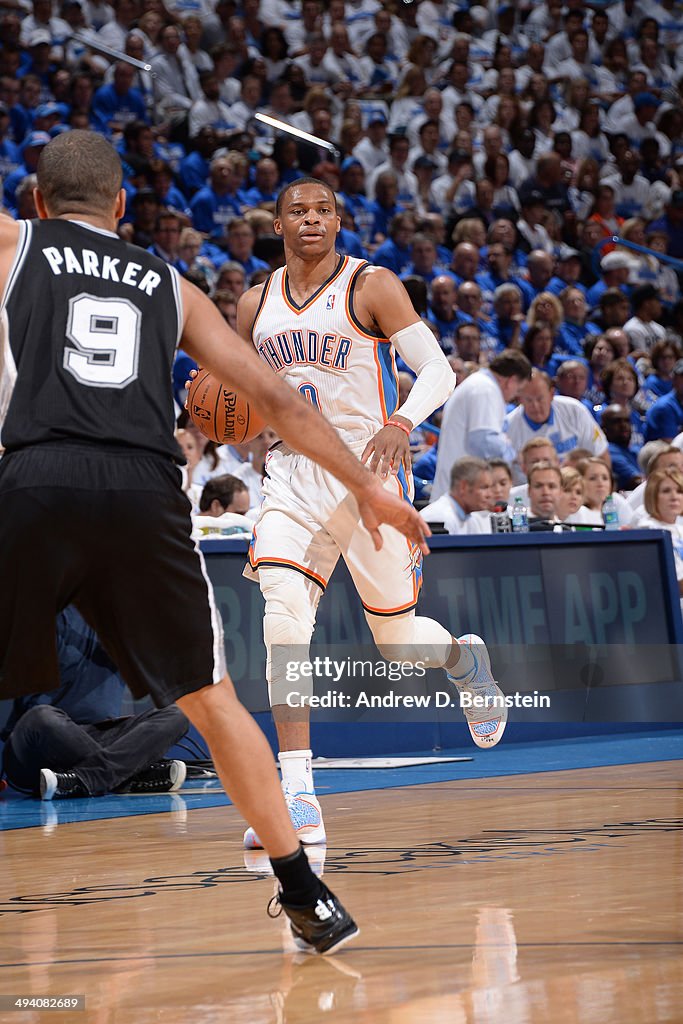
(330, 301)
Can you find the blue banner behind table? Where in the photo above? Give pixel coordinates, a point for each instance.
(590, 619)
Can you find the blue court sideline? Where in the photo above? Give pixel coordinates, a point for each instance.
(17, 811)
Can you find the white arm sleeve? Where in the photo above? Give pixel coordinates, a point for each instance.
(419, 349)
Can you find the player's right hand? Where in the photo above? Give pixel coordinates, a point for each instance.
(380, 506)
(387, 451)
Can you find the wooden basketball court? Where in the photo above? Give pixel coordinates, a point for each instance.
(554, 897)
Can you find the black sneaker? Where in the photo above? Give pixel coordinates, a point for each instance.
(321, 927)
(160, 777)
(60, 785)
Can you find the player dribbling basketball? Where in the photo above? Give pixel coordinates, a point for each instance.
(91, 511)
(330, 326)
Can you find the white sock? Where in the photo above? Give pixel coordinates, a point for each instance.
(466, 669)
(297, 772)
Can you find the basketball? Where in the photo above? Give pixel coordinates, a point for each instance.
(222, 415)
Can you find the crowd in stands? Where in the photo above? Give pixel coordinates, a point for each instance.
(489, 155)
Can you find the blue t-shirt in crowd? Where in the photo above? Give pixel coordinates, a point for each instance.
(10, 158)
(381, 217)
(212, 213)
(654, 387)
(108, 105)
(664, 418)
(447, 328)
(556, 286)
(570, 337)
(392, 256)
(624, 465)
(595, 293)
(349, 244)
(254, 196)
(194, 173)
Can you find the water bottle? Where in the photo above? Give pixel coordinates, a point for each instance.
(610, 514)
(520, 516)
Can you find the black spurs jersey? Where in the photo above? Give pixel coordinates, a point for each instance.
(92, 325)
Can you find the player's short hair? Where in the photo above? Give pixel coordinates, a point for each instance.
(79, 171)
(222, 489)
(468, 469)
(294, 184)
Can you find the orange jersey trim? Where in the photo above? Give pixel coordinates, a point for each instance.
(268, 560)
(261, 303)
(316, 294)
(417, 583)
(380, 386)
(348, 308)
(390, 611)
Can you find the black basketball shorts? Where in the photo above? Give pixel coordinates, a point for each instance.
(107, 530)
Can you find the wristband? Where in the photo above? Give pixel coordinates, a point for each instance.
(401, 426)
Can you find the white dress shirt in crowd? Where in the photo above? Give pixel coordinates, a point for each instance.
(472, 424)
(446, 510)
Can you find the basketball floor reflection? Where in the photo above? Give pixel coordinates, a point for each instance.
(509, 900)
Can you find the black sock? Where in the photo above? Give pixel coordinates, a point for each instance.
(299, 885)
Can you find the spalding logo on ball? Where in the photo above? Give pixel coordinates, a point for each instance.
(221, 414)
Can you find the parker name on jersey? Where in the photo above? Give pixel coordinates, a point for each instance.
(91, 264)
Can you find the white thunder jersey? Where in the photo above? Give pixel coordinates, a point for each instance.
(322, 350)
(349, 373)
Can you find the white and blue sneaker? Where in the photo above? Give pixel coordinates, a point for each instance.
(307, 821)
(487, 724)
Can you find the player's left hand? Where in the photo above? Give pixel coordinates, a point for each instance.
(378, 505)
(389, 448)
